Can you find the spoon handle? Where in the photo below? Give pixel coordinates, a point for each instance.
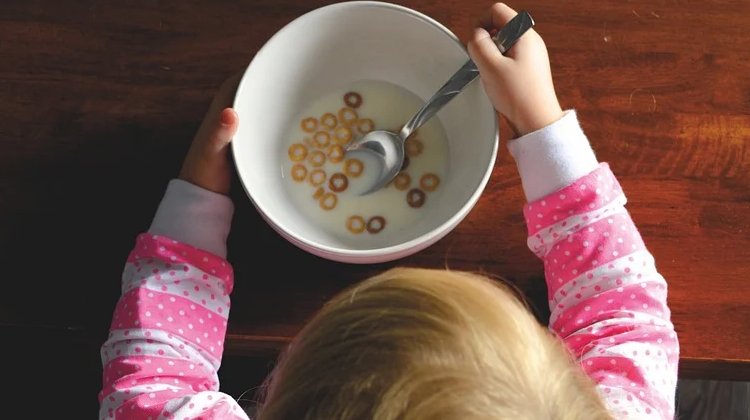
(505, 38)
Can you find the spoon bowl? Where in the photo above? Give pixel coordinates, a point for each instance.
(388, 148)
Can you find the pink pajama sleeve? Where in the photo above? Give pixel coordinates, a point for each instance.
(608, 302)
(167, 333)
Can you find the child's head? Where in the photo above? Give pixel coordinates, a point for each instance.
(425, 344)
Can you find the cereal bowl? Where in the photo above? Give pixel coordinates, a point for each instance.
(393, 58)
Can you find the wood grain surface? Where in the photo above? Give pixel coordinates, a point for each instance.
(99, 101)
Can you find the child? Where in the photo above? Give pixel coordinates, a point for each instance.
(410, 343)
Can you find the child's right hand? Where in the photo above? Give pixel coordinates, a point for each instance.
(207, 162)
(519, 84)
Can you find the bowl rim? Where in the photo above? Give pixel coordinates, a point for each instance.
(387, 253)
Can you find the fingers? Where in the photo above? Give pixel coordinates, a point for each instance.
(499, 14)
(484, 52)
(224, 129)
(497, 17)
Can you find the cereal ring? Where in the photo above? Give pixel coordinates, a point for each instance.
(335, 153)
(317, 158)
(309, 124)
(328, 201)
(299, 172)
(342, 135)
(375, 224)
(297, 152)
(413, 147)
(321, 139)
(355, 224)
(429, 182)
(402, 181)
(406, 163)
(347, 116)
(317, 177)
(328, 120)
(338, 182)
(415, 198)
(318, 193)
(353, 99)
(365, 125)
(353, 167)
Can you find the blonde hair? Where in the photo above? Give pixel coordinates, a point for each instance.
(427, 344)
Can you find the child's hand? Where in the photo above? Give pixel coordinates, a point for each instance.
(519, 84)
(206, 164)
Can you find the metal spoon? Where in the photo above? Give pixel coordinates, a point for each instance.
(389, 147)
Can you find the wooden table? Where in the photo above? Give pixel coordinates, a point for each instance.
(99, 101)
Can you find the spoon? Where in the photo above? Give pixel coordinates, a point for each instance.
(388, 147)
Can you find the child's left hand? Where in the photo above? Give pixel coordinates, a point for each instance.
(207, 164)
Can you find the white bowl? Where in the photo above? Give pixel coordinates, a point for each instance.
(304, 61)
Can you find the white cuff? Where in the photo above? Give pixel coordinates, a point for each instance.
(195, 216)
(552, 157)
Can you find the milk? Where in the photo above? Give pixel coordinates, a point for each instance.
(389, 106)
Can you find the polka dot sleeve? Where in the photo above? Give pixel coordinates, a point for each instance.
(608, 302)
(167, 335)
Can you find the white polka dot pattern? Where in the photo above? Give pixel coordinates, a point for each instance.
(177, 281)
(607, 300)
(167, 335)
(540, 242)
